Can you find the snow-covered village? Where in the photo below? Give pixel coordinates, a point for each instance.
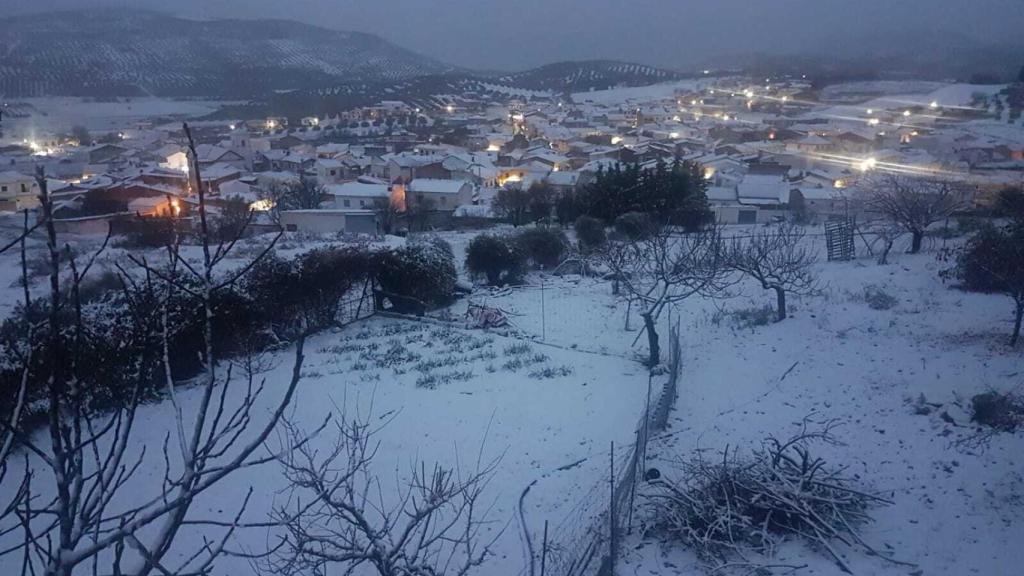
(280, 299)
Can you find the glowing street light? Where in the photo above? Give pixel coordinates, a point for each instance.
(674, 135)
(867, 164)
(934, 105)
(873, 122)
(906, 113)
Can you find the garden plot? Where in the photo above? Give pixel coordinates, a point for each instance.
(551, 412)
(438, 394)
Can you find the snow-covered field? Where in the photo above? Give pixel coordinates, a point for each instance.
(616, 96)
(957, 510)
(59, 114)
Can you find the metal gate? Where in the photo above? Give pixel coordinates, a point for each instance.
(839, 237)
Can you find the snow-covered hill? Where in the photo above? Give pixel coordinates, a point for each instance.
(133, 52)
(588, 75)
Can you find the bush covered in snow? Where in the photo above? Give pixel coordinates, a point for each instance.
(499, 259)
(303, 294)
(276, 301)
(423, 270)
(543, 246)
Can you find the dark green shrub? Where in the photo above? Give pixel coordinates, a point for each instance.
(635, 225)
(543, 246)
(590, 233)
(423, 270)
(981, 260)
(1000, 411)
(496, 258)
(151, 231)
(327, 275)
(276, 283)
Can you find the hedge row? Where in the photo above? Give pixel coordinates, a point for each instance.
(276, 301)
(504, 259)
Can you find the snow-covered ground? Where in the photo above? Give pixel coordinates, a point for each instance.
(616, 96)
(547, 414)
(59, 114)
(956, 510)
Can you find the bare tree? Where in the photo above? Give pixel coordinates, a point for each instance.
(95, 515)
(12, 415)
(885, 233)
(666, 268)
(778, 260)
(387, 214)
(513, 203)
(339, 518)
(302, 194)
(912, 202)
(417, 211)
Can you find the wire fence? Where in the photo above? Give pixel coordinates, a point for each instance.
(357, 305)
(604, 514)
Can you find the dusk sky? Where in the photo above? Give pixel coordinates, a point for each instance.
(506, 34)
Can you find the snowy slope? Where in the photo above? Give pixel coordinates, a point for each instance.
(133, 52)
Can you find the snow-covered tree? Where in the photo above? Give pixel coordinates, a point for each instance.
(778, 260)
(666, 268)
(85, 509)
(913, 202)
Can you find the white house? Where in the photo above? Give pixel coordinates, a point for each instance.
(17, 191)
(352, 195)
(445, 194)
(765, 185)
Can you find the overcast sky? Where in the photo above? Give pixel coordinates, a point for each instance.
(517, 34)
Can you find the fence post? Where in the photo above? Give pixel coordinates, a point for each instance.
(543, 314)
(544, 550)
(632, 491)
(611, 512)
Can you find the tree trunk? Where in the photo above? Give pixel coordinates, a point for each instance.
(780, 297)
(1017, 322)
(652, 339)
(915, 244)
(883, 258)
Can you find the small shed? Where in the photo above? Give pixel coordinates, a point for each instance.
(330, 221)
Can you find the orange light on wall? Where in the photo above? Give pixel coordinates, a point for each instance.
(397, 197)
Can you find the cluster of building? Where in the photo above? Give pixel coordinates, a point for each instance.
(765, 149)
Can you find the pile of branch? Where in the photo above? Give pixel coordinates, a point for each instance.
(737, 511)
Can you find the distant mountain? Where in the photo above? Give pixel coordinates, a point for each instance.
(930, 55)
(118, 52)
